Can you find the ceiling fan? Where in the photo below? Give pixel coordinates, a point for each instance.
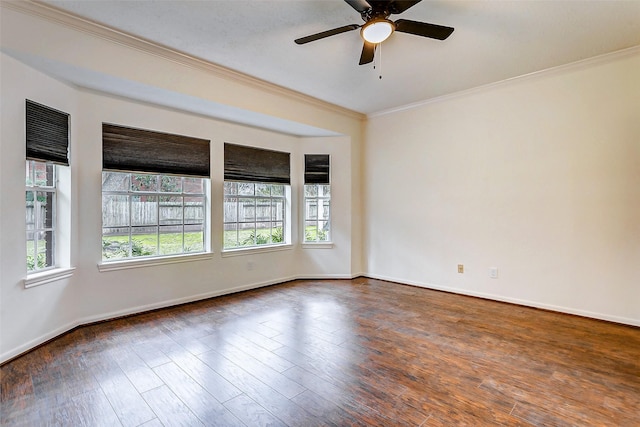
(378, 27)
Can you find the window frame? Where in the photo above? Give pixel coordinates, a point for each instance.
(285, 199)
(52, 249)
(306, 219)
(157, 257)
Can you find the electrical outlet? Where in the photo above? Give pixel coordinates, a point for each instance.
(250, 266)
(460, 268)
(493, 272)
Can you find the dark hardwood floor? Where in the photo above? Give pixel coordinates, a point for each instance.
(332, 353)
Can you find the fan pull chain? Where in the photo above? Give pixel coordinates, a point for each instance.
(378, 58)
(380, 61)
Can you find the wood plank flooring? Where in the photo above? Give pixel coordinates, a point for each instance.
(356, 352)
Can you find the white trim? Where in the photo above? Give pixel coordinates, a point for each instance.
(527, 303)
(148, 262)
(132, 311)
(169, 303)
(319, 245)
(75, 22)
(326, 277)
(48, 276)
(158, 305)
(584, 63)
(256, 250)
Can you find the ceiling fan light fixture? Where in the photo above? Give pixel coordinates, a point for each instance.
(377, 30)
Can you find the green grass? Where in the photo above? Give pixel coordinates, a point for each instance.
(115, 247)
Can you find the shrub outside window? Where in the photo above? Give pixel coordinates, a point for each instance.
(317, 215)
(151, 215)
(254, 214)
(41, 193)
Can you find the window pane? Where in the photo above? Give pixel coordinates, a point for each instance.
(323, 231)
(263, 210)
(324, 211)
(115, 181)
(311, 209)
(29, 174)
(144, 210)
(43, 174)
(193, 185)
(171, 184)
(115, 211)
(310, 190)
(170, 210)
(32, 243)
(277, 233)
(277, 190)
(45, 249)
(310, 231)
(144, 182)
(230, 235)
(193, 210)
(246, 234)
(263, 189)
(246, 188)
(230, 188)
(170, 239)
(194, 238)
(31, 210)
(246, 210)
(277, 210)
(144, 241)
(230, 210)
(324, 190)
(263, 231)
(44, 209)
(31, 260)
(115, 243)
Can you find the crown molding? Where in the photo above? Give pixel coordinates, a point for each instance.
(572, 66)
(77, 23)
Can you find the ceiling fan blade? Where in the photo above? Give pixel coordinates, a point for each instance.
(327, 33)
(399, 6)
(359, 5)
(423, 29)
(368, 50)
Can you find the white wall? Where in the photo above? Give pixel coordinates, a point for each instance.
(30, 316)
(539, 177)
(51, 40)
(26, 314)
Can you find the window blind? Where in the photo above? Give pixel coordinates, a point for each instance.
(316, 169)
(138, 150)
(242, 163)
(47, 132)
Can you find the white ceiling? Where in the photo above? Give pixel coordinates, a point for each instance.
(492, 41)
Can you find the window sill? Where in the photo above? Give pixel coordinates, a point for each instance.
(148, 262)
(256, 250)
(37, 279)
(323, 245)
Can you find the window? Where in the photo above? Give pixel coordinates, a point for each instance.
(151, 215)
(254, 214)
(153, 204)
(40, 215)
(256, 197)
(47, 145)
(317, 199)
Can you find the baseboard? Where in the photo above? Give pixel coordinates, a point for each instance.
(326, 276)
(13, 353)
(526, 303)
